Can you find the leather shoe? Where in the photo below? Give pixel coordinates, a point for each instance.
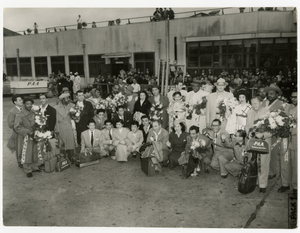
(20, 165)
(224, 177)
(262, 190)
(29, 174)
(282, 189)
(206, 171)
(271, 177)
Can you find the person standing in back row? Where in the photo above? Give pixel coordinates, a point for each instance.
(79, 22)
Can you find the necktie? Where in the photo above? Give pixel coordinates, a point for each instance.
(110, 135)
(216, 135)
(92, 138)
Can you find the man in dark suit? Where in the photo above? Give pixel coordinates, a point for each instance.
(145, 127)
(87, 113)
(48, 111)
(123, 115)
(69, 84)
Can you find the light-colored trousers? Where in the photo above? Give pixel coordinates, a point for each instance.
(289, 169)
(218, 162)
(265, 166)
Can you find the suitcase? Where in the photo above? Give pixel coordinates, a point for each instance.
(50, 164)
(248, 176)
(82, 160)
(62, 163)
(147, 166)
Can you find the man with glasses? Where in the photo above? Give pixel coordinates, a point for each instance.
(221, 153)
(291, 162)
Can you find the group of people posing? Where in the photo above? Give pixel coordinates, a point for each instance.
(167, 136)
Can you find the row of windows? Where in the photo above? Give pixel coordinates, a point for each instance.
(270, 53)
(143, 62)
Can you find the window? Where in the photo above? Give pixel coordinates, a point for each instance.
(144, 61)
(95, 62)
(11, 67)
(76, 64)
(25, 66)
(41, 68)
(58, 64)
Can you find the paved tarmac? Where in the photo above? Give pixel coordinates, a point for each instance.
(112, 194)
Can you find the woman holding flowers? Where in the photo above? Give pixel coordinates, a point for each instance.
(176, 110)
(158, 99)
(242, 110)
(177, 141)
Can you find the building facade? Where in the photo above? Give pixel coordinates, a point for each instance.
(264, 39)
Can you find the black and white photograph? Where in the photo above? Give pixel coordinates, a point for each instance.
(175, 117)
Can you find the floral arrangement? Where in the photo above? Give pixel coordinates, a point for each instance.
(117, 100)
(101, 104)
(40, 136)
(156, 111)
(75, 113)
(201, 105)
(177, 110)
(35, 108)
(277, 123)
(40, 119)
(197, 148)
(190, 109)
(226, 106)
(284, 100)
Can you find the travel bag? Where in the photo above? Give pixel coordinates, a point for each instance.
(147, 166)
(87, 159)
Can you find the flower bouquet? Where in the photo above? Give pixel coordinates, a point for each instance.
(156, 111)
(190, 109)
(277, 123)
(101, 104)
(35, 108)
(75, 113)
(200, 106)
(197, 149)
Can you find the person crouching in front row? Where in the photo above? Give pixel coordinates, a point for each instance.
(91, 140)
(221, 153)
(107, 140)
(237, 143)
(134, 139)
(158, 151)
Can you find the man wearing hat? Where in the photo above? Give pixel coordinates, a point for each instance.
(23, 126)
(211, 107)
(272, 103)
(131, 99)
(64, 124)
(195, 97)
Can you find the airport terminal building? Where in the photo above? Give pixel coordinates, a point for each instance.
(264, 39)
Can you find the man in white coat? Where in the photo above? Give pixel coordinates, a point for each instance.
(196, 97)
(76, 83)
(211, 107)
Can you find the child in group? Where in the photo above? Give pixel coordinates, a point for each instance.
(176, 110)
(237, 143)
(134, 139)
(100, 118)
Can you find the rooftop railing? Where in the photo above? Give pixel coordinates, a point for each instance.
(143, 19)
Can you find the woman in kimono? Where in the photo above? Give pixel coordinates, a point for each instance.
(176, 110)
(177, 141)
(65, 126)
(157, 99)
(119, 141)
(242, 110)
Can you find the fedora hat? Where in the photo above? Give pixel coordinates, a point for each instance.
(196, 82)
(273, 87)
(221, 82)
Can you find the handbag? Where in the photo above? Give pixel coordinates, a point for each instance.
(62, 163)
(90, 158)
(259, 146)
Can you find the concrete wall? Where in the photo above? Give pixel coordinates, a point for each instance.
(142, 37)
